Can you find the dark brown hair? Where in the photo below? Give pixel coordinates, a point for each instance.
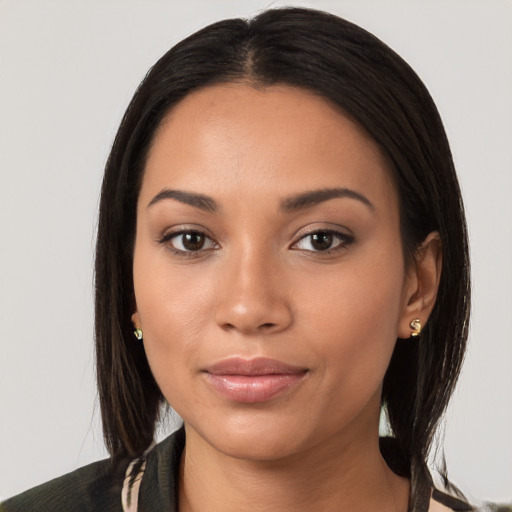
(369, 82)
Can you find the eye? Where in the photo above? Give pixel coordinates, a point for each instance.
(188, 241)
(323, 241)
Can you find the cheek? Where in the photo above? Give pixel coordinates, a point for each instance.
(353, 318)
(174, 308)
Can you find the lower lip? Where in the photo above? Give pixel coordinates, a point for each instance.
(253, 388)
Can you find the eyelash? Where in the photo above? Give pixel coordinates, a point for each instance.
(344, 241)
(168, 237)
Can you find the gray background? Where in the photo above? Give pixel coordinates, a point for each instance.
(67, 72)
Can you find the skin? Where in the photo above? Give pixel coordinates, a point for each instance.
(259, 287)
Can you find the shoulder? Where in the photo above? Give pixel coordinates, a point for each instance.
(99, 485)
(159, 487)
(93, 487)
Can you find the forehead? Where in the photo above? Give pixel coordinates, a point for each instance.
(231, 137)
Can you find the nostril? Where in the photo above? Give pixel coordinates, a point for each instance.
(267, 326)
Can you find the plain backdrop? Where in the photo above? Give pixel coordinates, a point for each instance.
(67, 71)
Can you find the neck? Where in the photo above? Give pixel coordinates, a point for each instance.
(336, 475)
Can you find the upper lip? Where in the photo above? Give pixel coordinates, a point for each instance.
(255, 366)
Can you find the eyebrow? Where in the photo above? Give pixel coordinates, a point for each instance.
(289, 205)
(314, 197)
(200, 201)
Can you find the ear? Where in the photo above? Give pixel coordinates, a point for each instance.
(420, 291)
(136, 320)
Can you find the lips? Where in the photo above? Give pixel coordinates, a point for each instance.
(252, 380)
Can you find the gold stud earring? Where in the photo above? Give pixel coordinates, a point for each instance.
(138, 333)
(416, 325)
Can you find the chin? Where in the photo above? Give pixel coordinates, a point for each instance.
(257, 449)
(256, 439)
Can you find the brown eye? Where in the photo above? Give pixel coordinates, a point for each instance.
(192, 241)
(321, 241)
(188, 241)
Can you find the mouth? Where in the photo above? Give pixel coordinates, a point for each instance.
(252, 380)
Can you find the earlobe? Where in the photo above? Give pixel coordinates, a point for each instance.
(136, 320)
(422, 286)
(137, 326)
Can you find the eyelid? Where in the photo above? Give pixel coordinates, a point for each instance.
(323, 227)
(314, 227)
(176, 231)
(343, 234)
(179, 229)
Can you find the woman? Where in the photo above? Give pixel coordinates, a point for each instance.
(281, 255)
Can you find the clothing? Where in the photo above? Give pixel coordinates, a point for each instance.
(97, 487)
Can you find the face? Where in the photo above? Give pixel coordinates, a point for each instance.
(268, 270)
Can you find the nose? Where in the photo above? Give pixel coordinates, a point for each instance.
(252, 297)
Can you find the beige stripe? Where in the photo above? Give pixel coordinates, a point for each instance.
(130, 494)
